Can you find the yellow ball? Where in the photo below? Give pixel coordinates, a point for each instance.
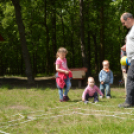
(123, 61)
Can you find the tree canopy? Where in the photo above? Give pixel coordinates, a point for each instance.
(89, 29)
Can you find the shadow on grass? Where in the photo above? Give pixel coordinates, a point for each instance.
(114, 96)
(123, 96)
(76, 100)
(102, 101)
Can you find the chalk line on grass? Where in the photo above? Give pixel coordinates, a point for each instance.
(72, 111)
(3, 132)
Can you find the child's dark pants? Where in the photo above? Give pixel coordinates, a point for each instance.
(95, 97)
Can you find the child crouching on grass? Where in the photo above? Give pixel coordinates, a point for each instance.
(91, 91)
(63, 74)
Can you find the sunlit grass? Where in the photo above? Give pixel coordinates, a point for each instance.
(40, 112)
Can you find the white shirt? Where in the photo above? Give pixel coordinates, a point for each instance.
(130, 44)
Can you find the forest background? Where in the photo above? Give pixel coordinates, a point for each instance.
(33, 30)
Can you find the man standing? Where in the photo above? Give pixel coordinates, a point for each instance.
(128, 21)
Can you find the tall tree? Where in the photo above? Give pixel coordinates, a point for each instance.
(96, 56)
(53, 20)
(102, 34)
(21, 29)
(84, 59)
(47, 39)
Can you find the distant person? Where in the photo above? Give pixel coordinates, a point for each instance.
(63, 74)
(128, 21)
(91, 91)
(106, 79)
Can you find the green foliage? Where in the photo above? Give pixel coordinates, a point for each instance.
(5, 87)
(66, 30)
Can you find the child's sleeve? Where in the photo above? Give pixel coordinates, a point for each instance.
(111, 77)
(58, 62)
(100, 76)
(84, 93)
(98, 90)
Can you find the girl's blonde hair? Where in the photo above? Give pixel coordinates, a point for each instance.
(61, 49)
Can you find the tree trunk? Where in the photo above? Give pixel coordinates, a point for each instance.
(63, 29)
(102, 56)
(72, 42)
(132, 6)
(47, 40)
(35, 62)
(53, 20)
(95, 51)
(88, 39)
(73, 49)
(25, 52)
(84, 59)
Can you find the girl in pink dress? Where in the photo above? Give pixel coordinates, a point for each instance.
(63, 74)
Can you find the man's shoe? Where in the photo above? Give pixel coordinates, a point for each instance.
(124, 105)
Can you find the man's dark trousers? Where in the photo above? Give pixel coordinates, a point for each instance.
(130, 84)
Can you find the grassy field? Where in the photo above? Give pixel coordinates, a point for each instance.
(38, 111)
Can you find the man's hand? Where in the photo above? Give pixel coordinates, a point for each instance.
(123, 48)
(102, 82)
(124, 70)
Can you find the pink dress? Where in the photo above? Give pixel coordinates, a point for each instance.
(62, 63)
(62, 76)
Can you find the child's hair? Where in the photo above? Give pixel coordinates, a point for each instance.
(105, 61)
(61, 49)
(90, 78)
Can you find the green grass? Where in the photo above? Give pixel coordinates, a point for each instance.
(38, 111)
